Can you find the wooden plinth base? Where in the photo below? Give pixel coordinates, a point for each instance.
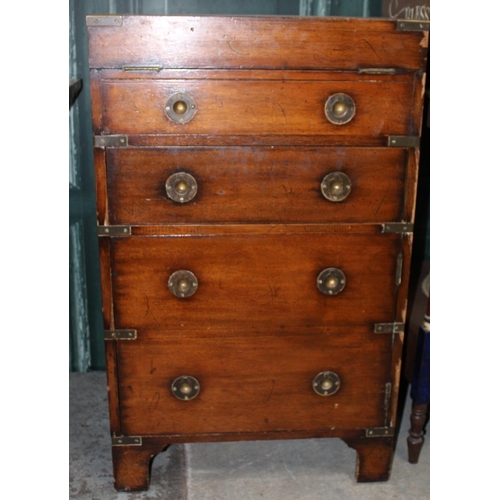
(132, 464)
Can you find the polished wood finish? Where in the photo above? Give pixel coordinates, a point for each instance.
(131, 465)
(250, 107)
(241, 184)
(247, 387)
(257, 330)
(256, 42)
(248, 282)
(415, 439)
(374, 458)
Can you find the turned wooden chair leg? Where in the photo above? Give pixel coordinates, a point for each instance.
(416, 437)
(420, 391)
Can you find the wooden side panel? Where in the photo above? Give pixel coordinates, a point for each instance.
(256, 42)
(254, 382)
(250, 281)
(258, 185)
(252, 107)
(110, 346)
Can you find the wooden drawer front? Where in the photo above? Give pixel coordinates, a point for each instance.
(254, 281)
(255, 184)
(252, 383)
(243, 107)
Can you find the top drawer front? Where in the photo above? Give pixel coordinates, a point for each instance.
(253, 42)
(383, 106)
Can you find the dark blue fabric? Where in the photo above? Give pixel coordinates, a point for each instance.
(420, 384)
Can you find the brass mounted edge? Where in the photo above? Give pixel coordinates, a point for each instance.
(399, 269)
(389, 328)
(387, 401)
(397, 227)
(120, 334)
(126, 441)
(403, 141)
(110, 141)
(377, 71)
(114, 230)
(380, 432)
(413, 25)
(142, 68)
(104, 20)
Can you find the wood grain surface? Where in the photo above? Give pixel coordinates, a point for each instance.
(256, 107)
(252, 382)
(257, 331)
(257, 185)
(256, 42)
(250, 281)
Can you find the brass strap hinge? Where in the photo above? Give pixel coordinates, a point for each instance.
(380, 432)
(389, 328)
(413, 25)
(387, 400)
(120, 334)
(399, 269)
(397, 227)
(110, 141)
(104, 20)
(142, 68)
(114, 230)
(403, 141)
(126, 441)
(377, 71)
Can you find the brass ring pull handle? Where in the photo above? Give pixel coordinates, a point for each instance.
(336, 186)
(340, 109)
(180, 108)
(183, 284)
(326, 383)
(185, 388)
(331, 281)
(181, 187)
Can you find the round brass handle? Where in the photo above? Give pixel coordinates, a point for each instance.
(185, 387)
(181, 187)
(326, 383)
(180, 107)
(336, 186)
(331, 281)
(183, 284)
(340, 109)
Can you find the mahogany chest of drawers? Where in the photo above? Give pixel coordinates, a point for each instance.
(256, 181)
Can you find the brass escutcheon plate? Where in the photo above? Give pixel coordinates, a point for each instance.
(331, 281)
(183, 284)
(340, 109)
(326, 383)
(185, 388)
(180, 108)
(181, 187)
(336, 186)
